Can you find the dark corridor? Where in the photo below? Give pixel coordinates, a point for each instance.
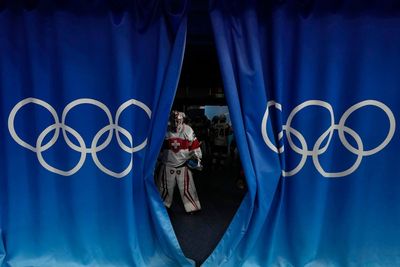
(219, 192)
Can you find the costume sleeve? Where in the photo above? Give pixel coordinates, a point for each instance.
(194, 144)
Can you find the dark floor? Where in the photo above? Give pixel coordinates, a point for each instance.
(220, 197)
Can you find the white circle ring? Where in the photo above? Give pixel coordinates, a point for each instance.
(289, 128)
(126, 104)
(14, 134)
(39, 150)
(350, 170)
(96, 159)
(357, 106)
(264, 128)
(303, 156)
(91, 102)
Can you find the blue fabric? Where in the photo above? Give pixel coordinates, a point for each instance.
(92, 69)
(2, 250)
(345, 57)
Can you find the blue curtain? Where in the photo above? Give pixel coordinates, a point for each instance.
(313, 92)
(85, 92)
(2, 250)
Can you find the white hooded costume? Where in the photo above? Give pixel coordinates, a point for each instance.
(180, 145)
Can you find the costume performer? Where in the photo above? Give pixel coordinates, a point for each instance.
(221, 129)
(181, 149)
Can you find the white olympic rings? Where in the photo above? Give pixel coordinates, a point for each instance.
(82, 148)
(317, 150)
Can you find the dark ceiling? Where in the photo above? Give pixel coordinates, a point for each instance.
(200, 81)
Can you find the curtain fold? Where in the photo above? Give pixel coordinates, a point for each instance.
(312, 92)
(85, 93)
(2, 249)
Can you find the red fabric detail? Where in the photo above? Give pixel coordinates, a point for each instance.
(195, 144)
(176, 144)
(164, 184)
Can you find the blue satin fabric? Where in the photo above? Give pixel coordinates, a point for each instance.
(2, 249)
(111, 52)
(338, 54)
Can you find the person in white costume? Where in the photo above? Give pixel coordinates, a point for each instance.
(221, 130)
(181, 150)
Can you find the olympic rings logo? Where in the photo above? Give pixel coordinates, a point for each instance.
(317, 150)
(83, 149)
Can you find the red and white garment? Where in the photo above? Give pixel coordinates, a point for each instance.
(169, 177)
(179, 147)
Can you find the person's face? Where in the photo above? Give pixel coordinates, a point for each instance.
(176, 121)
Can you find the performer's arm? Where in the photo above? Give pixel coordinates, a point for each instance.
(194, 146)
